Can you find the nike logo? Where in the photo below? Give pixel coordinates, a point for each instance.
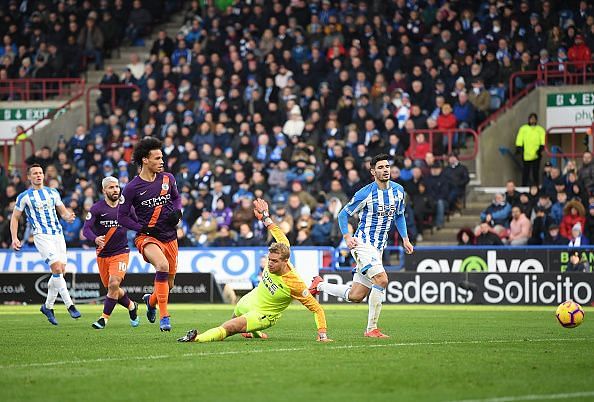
(103, 214)
(143, 192)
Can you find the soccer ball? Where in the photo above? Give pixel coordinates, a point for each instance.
(570, 314)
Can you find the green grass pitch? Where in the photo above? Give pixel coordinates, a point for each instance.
(436, 353)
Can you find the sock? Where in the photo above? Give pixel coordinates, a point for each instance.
(63, 290)
(108, 306)
(212, 335)
(375, 306)
(162, 292)
(52, 291)
(335, 290)
(126, 302)
(153, 298)
(129, 304)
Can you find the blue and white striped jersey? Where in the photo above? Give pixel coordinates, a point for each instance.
(377, 209)
(40, 209)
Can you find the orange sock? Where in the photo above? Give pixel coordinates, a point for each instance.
(162, 290)
(153, 298)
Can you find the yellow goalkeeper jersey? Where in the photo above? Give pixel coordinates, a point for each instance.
(274, 293)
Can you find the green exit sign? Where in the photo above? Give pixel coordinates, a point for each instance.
(571, 99)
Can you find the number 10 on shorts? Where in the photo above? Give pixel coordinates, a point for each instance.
(122, 266)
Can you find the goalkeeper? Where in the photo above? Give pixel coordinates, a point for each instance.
(262, 307)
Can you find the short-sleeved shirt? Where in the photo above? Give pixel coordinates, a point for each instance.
(152, 201)
(40, 209)
(377, 209)
(102, 220)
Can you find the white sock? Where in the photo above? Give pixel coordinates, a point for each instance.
(375, 306)
(52, 291)
(335, 290)
(63, 289)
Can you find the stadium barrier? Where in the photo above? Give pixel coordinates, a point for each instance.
(40, 89)
(555, 135)
(87, 288)
(234, 266)
(116, 92)
(454, 136)
(478, 288)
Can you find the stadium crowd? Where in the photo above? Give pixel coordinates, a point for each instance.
(286, 101)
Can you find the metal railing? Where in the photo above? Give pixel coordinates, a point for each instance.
(553, 73)
(114, 95)
(32, 89)
(23, 138)
(436, 139)
(554, 150)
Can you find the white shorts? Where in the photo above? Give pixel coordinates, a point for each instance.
(369, 263)
(51, 247)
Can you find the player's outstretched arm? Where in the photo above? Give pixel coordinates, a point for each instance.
(261, 212)
(299, 292)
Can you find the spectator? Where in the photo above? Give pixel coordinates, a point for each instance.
(487, 237)
(465, 237)
(457, 175)
(520, 228)
(438, 189)
(512, 196)
(246, 236)
(577, 239)
(554, 238)
(498, 212)
(205, 228)
(91, 40)
(139, 21)
(424, 210)
(558, 207)
(573, 213)
(530, 143)
(586, 172)
(223, 238)
(579, 52)
(577, 264)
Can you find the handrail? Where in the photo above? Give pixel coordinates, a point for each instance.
(450, 133)
(24, 137)
(565, 130)
(506, 106)
(570, 72)
(113, 88)
(28, 89)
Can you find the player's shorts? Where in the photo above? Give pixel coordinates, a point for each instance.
(369, 263)
(256, 320)
(169, 249)
(51, 247)
(115, 265)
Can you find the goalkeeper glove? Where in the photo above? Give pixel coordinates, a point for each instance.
(173, 218)
(152, 231)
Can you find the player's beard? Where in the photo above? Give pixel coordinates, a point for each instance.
(383, 179)
(114, 197)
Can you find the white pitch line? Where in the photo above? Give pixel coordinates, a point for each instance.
(533, 397)
(253, 351)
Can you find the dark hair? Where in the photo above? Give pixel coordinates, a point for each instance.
(34, 166)
(144, 147)
(377, 158)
